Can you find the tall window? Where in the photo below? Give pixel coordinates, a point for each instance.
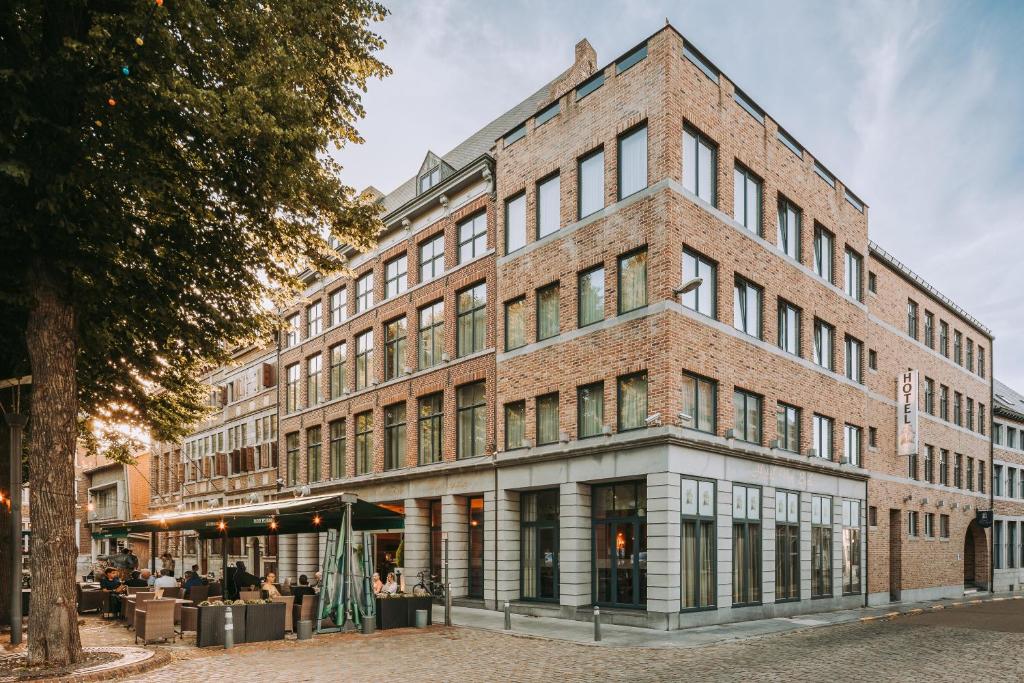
(970, 473)
(699, 551)
(944, 338)
(314, 366)
(851, 547)
(789, 327)
(958, 347)
(700, 163)
(538, 550)
(970, 354)
(394, 436)
(787, 545)
(854, 269)
(339, 306)
(475, 543)
(364, 442)
(929, 395)
(431, 335)
(824, 343)
(944, 402)
(364, 292)
(746, 545)
(549, 206)
(746, 198)
(515, 425)
(912, 318)
(821, 546)
(746, 409)
(471, 323)
(929, 464)
(632, 162)
(632, 401)
(314, 320)
(396, 276)
(822, 436)
(703, 298)
(970, 413)
(291, 392)
(632, 281)
(591, 183)
(944, 467)
(291, 459)
(620, 543)
(958, 409)
(515, 223)
(338, 438)
(291, 331)
(854, 359)
(824, 253)
(787, 427)
(547, 312)
(981, 360)
(590, 410)
(789, 228)
(431, 428)
(746, 309)
(852, 441)
(590, 293)
(432, 258)
(394, 348)
(313, 454)
(929, 329)
(515, 323)
(472, 237)
(958, 467)
(471, 404)
(547, 419)
(699, 401)
(364, 359)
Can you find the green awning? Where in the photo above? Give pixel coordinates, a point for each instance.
(100, 535)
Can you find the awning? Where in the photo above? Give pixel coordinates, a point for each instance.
(308, 514)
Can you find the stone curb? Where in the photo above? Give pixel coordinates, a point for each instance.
(140, 659)
(918, 610)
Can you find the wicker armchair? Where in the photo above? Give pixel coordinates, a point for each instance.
(305, 610)
(215, 588)
(189, 619)
(171, 592)
(250, 595)
(91, 601)
(197, 594)
(288, 601)
(154, 620)
(129, 607)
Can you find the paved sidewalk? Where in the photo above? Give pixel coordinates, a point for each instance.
(629, 636)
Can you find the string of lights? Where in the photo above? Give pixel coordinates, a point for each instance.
(115, 95)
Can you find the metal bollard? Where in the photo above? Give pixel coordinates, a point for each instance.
(448, 604)
(229, 628)
(508, 616)
(597, 623)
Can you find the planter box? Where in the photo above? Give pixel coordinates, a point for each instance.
(210, 625)
(401, 612)
(264, 622)
(418, 603)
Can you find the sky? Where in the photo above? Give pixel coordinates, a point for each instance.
(917, 106)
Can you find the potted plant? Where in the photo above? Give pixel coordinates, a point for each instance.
(210, 623)
(264, 620)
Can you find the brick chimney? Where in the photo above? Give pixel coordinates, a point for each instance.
(584, 64)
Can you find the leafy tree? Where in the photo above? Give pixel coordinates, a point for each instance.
(164, 173)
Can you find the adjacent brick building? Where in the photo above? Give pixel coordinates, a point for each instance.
(1008, 487)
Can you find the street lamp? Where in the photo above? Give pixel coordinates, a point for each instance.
(688, 286)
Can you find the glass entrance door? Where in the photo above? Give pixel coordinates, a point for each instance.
(620, 545)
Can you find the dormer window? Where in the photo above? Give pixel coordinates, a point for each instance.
(430, 178)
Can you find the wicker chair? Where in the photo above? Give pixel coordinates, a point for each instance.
(250, 595)
(129, 607)
(305, 610)
(197, 594)
(154, 620)
(215, 588)
(172, 592)
(289, 601)
(189, 619)
(91, 601)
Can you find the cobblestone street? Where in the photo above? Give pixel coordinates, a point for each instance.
(954, 645)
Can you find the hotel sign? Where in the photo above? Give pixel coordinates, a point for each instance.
(906, 406)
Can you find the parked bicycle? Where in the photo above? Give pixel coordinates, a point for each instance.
(429, 585)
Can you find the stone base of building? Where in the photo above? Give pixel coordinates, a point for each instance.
(919, 594)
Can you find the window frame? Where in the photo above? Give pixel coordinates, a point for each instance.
(541, 184)
(474, 237)
(698, 381)
(431, 264)
(433, 418)
(580, 323)
(748, 177)
(478, 319)
(589, 156)
(599, 387)
(700, 140)
(397, 283)
(640, 374)
(619, 140)
(521, 302)
(618, 280)
(540, 316)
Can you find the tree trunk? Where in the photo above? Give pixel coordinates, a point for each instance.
(52, 346)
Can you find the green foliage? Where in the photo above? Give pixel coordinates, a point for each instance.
(204, 194)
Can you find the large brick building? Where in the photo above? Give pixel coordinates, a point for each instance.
(1008, 487)
(627, 345)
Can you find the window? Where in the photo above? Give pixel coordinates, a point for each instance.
(515, 425)
(339, 306)
(854, 268)
(314, 320)
(431, 342)
(872, 282)
(746, 198)
(515, 223)
(699, 545)
(547, 312)
(944, 467)
(821, 546)
(789, 327)
(854, 360)
(394, 436)
(970, 354)
(970, 413)
(430, 178)
(997, 544)
(958, 347)
(546, 114)
(547, 419)
(337, 449)
(912, 466)
(823, 432)
(788, 427)
(981, 418)
(912, 524)
(475, 547)
(291, 393)
(981, 476)
(824, 253)
(590, 293)
(943, 526)
(291, 334)
(873, 437)
(471, 324)
(1011, 437)
(313, 454)
(432, 258)
(632, 401)
(548, 206)
(852, 436)
(997, 434)
(929, 329)
(590, 183)
(632, 162)
(291, 459)
(746, 314)
(619, 569)
(364, 292)
(944, 402)
(431, 425)
(515, 323)
(364, 442)
(314, 365)
(590, 85)
(632, 281)
(396, 276)
(944, 338)
(1011, 482)
(746, 545)
(981, 360)
(789, 228)
(1011, 544)
(912, 318)
(970, 474)
(746, 416)
(472, 237)
(824, 342)
(471, 404)
(929, 395)
(700, 164)
(699, 403)
(703, 298)
(709, 70)
(514, 135)
(929, 464)
(958, 413)
(872, 359)
(364, 359)
(851, 547)
(958, 466)
(538, 549)
(787, 545)
(590, 410)
(631, 59)
(395, 333)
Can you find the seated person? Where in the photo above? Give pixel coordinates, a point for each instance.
(302, 589)
(137, 579)
(110, 583)
(268, 586)
(391, 586)
(166, 580)
(377, 584)
(192, 578)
